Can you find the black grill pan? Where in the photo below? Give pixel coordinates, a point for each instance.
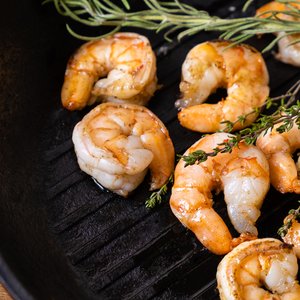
(61, 237)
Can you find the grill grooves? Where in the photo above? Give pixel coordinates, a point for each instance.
(122, 249)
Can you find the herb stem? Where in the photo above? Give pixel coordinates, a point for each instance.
(286, 115)
(293, 215)
(183, 18)
(158, 196)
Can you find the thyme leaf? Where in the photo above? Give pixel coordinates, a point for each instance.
(157, 197)
(293, 215)
(286, 114)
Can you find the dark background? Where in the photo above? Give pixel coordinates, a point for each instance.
(60, 236)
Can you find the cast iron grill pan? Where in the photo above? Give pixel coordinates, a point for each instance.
(114, 248)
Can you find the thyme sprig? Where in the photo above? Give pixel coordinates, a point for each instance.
(293, 215)
(174, 16)
(286, 113)
(157, 197)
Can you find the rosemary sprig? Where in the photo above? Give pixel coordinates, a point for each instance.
(158, 196)
(173, 16)
(287, 114)
(293, 215)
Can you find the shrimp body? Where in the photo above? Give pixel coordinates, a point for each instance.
(260, 269)
(125, 64)
(292, 237)
(287, 51)
(117, 143)
(212, 65)
(243, 174)
(278, 148)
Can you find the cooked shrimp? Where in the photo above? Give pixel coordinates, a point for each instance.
(279, 148)
(211, 65)
(288, 52)
(125, 59)
(261, 269)
(292, 236)
(243, 174)
(117, 143)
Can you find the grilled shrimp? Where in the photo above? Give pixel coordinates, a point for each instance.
(278, 148)
(128, 64)
(288, 52)
(243, 174)
(212, 65)
(260, 269)
(117, 143)
(292, 236)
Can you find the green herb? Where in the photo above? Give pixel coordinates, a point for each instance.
(173, 16)
(158, 196)
(293, 215)
(286, 113)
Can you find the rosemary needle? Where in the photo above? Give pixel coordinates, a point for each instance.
(175, 16)
(172, 16)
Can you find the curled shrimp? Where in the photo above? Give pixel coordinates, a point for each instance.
(117, 143)
(279, 148)
(292, 234)
(243, 174)
(128, 64)
(211, 65)
(288, 51)
(260, 269)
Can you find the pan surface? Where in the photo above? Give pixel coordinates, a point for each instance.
(61, 237)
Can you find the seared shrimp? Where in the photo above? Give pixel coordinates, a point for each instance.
(211, 65)
(278, 148)
(117, 143)
(288, 52)
(243, 174)
(261, 269)
(125, 59)
(292, 236)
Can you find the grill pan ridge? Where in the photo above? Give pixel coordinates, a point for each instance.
(64, 238)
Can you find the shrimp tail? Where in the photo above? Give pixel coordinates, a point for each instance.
(75, 93)
(215, 116)
(162, 163)
(212, 114)
(243, 217)
(201, 218)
